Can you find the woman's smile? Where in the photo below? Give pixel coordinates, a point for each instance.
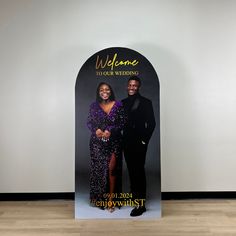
(104, 92)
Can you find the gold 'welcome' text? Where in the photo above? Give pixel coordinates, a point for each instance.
(114, 62)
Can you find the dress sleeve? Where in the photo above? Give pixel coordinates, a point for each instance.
(92, 119)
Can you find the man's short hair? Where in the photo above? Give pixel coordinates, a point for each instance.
(134, 77)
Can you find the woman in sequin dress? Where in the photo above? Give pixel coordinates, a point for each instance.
(106, 120)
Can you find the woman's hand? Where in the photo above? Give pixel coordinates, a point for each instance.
(106, 134)
(99, 133)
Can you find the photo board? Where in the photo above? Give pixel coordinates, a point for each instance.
(117, 137)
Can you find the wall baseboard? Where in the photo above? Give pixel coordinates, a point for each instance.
(36, 196)
(70, 196)
(198, 195)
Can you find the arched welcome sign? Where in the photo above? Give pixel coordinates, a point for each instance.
(117, 147)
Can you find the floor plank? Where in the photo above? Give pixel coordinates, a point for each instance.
(180, 218)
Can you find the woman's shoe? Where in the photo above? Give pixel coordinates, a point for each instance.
(111, 209)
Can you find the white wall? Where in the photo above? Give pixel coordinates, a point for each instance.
(191, 44)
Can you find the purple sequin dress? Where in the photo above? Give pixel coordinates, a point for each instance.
(101, 151)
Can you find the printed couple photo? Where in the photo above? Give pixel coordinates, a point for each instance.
(117, 137)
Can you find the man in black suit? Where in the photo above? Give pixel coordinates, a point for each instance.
(137, 133)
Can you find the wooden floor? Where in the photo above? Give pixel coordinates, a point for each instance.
(185, 217)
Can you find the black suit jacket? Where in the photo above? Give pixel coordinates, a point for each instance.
(141, 120)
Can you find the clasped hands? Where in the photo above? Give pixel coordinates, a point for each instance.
(104, 136)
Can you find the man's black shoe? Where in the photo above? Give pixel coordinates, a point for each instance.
(138, 211)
